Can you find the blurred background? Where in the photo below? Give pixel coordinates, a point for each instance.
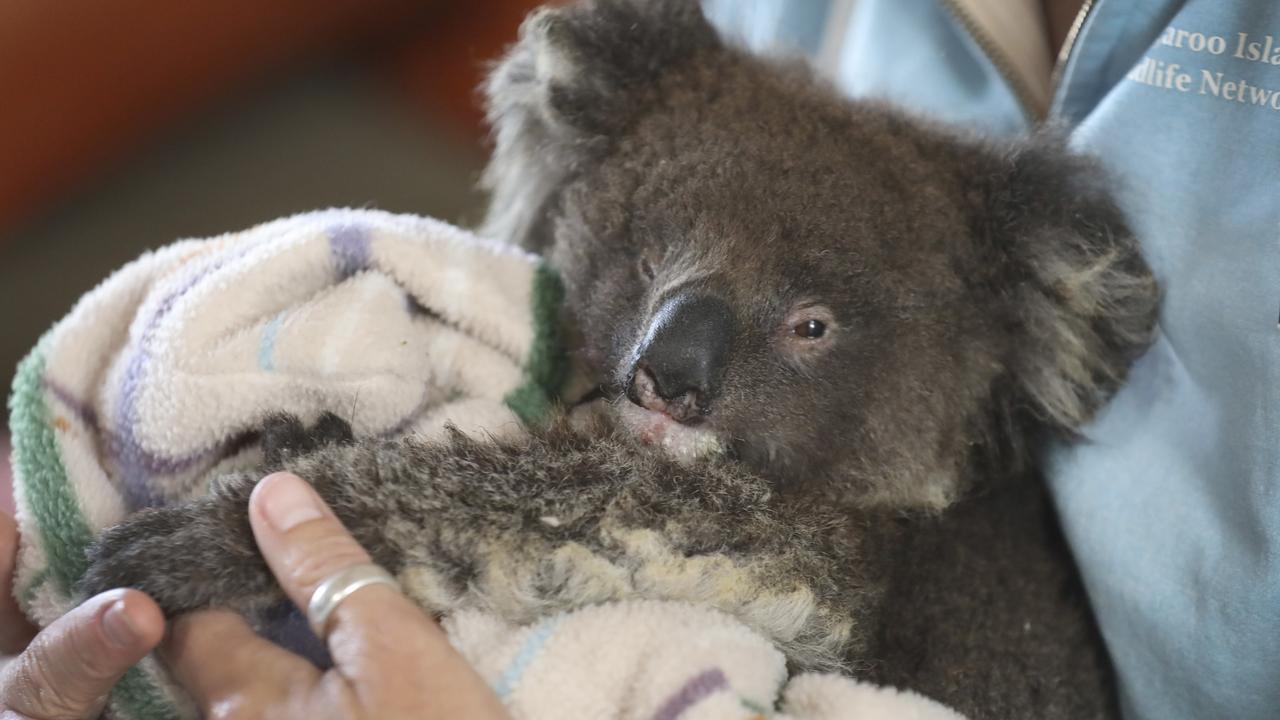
(129, 124)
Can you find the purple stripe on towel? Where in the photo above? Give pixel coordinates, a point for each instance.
(151, 462)
(80, 408)
(700, 686)
(349, 249)
(136, 463)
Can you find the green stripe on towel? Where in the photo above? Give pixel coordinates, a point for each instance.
(137, 697)
(547, 365)
(64, 533)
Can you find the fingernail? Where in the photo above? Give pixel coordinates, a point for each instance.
(288, 502)
(117, 626)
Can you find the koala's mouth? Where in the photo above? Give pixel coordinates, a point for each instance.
(684, 443)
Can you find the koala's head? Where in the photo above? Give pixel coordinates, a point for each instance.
(834, 293)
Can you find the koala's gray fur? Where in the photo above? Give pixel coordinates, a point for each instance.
(874, 505)
(525, 528)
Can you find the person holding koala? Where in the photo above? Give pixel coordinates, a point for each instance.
(1170, 505)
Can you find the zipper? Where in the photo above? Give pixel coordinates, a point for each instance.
(1004, 66)
(1064, 54)
(998, 59)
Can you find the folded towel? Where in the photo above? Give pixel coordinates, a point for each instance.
(159, 379)
(649, 660)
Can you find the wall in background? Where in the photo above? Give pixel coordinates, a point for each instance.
(131, 124)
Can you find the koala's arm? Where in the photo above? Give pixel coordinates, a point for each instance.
(559, 520)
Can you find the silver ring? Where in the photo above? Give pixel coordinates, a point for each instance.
(340, 586)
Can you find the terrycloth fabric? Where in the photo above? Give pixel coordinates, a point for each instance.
(159, 378)
(646, 660)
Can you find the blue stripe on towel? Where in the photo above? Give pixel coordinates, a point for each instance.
(267, 346)
(525, 656)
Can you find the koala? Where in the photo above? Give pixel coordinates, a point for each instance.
(830, 337)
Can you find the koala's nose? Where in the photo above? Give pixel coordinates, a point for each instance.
(679, 363)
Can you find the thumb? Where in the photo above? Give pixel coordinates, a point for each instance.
(70, 667)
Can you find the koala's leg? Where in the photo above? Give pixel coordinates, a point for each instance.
(548, 523)
(202, 554)
(563, 519)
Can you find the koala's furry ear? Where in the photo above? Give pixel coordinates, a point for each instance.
(1081, 300)
(577, 76)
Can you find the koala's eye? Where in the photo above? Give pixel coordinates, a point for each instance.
(810, 329)
(646, 268)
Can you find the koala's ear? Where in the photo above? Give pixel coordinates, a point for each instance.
(1081, 302)
(577, 77)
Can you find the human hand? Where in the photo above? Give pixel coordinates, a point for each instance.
(65, 671)
(15, 630)
(390, 659)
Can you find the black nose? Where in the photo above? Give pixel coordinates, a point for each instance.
(679, 363)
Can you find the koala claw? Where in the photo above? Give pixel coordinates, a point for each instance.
(284, 436)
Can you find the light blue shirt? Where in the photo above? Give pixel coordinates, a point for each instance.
(1172, 505)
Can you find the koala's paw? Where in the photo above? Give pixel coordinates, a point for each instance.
(186, 558)
(285, 437)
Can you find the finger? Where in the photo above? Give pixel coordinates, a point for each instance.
(376, 632)
(70, 666)
(304, 543)
(15, 630)
(229, 669)
(300, 537)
